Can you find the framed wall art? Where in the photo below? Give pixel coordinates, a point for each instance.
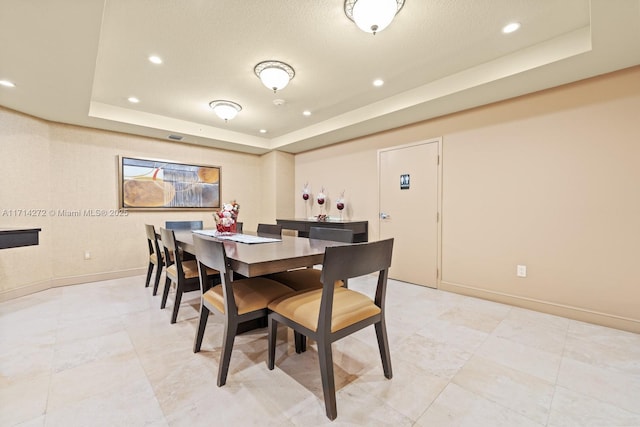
(147, 184)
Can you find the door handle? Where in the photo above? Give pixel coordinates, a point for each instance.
(384, 215)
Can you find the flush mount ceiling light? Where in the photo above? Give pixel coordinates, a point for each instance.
(372, 16)
(226, 110)
(274, 74)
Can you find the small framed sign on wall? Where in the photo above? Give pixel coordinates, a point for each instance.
(405, 181)
(147, 184)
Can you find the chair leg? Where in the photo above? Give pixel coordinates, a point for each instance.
(202, 324)
(262, 322)
(230, 330)
(383, 345)
(301, 342)
(149, 270)
(176, 303)
(165, 293)
(273, 330)
(328, 384)
(157, 282)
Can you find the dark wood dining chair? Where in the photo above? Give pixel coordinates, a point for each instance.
(239, 301)
(331, 313)
(183, 225)
(156, 257)
(184, 273)
(239, 227)
(271, 229)
(305, 279)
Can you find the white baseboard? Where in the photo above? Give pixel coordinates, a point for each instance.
(576, 313)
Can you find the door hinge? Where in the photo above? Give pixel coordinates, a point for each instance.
(437, 273)
(438, 159)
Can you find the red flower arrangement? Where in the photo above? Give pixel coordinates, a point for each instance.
(227, 217)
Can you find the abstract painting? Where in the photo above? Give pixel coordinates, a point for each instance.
(147, 184)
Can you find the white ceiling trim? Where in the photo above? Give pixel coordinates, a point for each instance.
(173, 126)
(560, 48)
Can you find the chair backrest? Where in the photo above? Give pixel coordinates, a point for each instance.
(346, 262)
(152, 240)
(273, 229)
(183, 225)
(334, 234)
(238, 227)
(168, 238)
(211, 253)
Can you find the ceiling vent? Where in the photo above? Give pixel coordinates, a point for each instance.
(175, 137)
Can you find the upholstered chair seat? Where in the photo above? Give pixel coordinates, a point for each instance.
(305, 279)
(244, 291)
(190, 269)
(302, 279)
(349, 307)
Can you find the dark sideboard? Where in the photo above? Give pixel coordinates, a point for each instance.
(302, 226)
(16, 237)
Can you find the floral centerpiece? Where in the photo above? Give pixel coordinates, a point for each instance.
(227, 217)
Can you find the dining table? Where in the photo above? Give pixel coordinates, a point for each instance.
(277, 254)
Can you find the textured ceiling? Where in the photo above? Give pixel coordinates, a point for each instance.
(78, 61)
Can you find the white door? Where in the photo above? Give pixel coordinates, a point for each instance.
(409, 206)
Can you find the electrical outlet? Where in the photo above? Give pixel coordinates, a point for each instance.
(521, 271)
(87, 255)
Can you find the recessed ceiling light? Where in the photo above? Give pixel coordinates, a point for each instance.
(263, 131)
(7, 83)
(155, 59)
(306, 113)
(378, 82)
(133, 100)
(510, 28)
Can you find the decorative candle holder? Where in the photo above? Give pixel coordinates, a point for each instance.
(306, 195)
(340, 204)
(321, 198)
(306, 192)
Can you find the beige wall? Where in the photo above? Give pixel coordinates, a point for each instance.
(276, 186)
(550, 180)
(49, 166)
(24, 183)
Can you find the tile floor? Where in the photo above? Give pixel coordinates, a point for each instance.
(104, 354)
